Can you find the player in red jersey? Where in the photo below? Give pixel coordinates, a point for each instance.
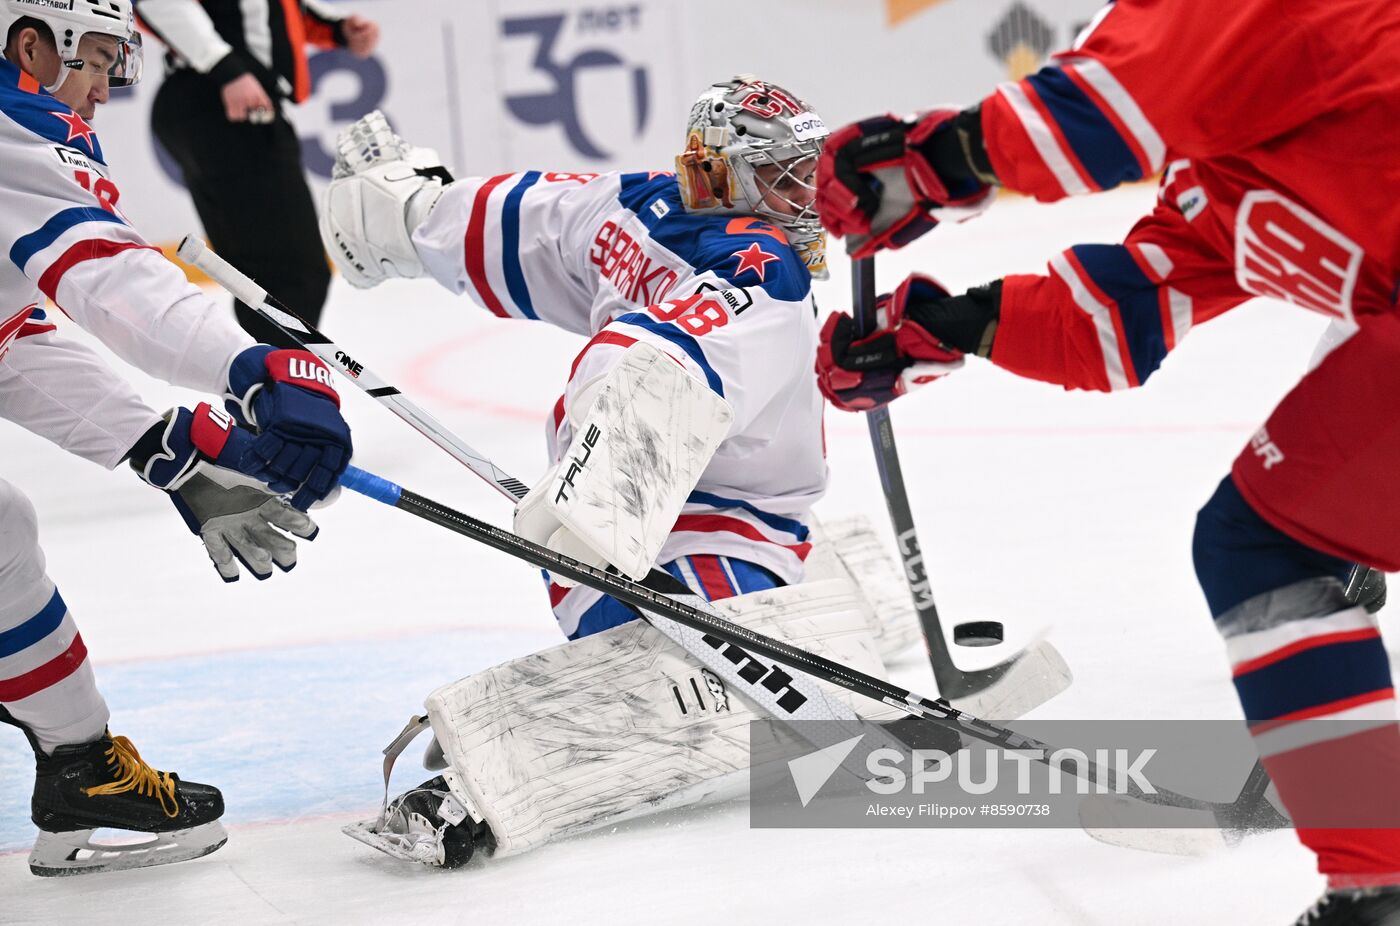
(1273, 124)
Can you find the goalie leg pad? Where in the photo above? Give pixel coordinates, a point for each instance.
(849, 548)
(622, 723)
(639, 450)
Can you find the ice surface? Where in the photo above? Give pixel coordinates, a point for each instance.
(1039, 508)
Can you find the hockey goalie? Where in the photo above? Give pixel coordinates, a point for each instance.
(689, 436)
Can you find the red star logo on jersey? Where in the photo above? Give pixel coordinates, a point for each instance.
(753, 258)
(77, 128)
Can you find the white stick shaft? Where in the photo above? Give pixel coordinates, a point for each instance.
(193, 251)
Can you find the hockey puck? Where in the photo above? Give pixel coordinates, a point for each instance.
(978, 633)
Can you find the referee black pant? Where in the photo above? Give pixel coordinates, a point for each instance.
(251, 194)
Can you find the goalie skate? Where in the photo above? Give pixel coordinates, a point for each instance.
(427, 825)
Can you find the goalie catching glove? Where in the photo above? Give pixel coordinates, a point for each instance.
(648, 433)
(382, 189)
(193, 456)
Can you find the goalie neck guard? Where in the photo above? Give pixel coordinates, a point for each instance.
(751, 149)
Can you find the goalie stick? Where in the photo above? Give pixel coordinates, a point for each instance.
(953, 683)
(1248, 812)
(1175, 830)
(193, 251)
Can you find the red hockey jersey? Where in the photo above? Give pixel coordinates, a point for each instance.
(1277, 123)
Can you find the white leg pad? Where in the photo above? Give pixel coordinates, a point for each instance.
(623, 723)
(615, 495)
(849, 548)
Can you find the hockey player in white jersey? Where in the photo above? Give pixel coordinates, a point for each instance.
(63, 236)
(689, 435)
(711, 266)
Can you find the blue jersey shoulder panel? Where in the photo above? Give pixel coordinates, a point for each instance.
(45, 116)
(743, 250)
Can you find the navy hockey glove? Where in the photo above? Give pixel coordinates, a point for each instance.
(865, 373)
(237, 517)
(172, 450)
(303, 444)
(884, 181)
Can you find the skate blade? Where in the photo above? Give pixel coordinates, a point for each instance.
(75, 852)
(1117, 820)
(408, 847)
(1036, 677)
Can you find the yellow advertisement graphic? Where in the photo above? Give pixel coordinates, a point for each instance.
(1020, 39)
(896, 11)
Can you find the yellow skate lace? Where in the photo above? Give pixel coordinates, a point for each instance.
(138, 776)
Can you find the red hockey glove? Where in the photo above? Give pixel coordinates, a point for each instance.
(877, 188)
(858, 375)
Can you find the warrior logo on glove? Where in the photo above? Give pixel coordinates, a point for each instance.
(303, 444)
(312, 371)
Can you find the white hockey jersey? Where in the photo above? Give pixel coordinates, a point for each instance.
(63, 236)
(616, 258)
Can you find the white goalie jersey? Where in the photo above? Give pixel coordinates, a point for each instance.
(63, 238)
(617, 259)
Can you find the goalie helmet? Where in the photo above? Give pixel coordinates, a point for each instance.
(751, 149)
(68, 22)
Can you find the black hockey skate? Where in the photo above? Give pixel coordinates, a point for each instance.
(1374, 907)
(427, 825)
(105, 784)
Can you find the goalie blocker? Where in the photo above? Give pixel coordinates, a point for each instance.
(648, 432)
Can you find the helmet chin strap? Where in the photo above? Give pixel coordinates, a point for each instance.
(63, 70)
